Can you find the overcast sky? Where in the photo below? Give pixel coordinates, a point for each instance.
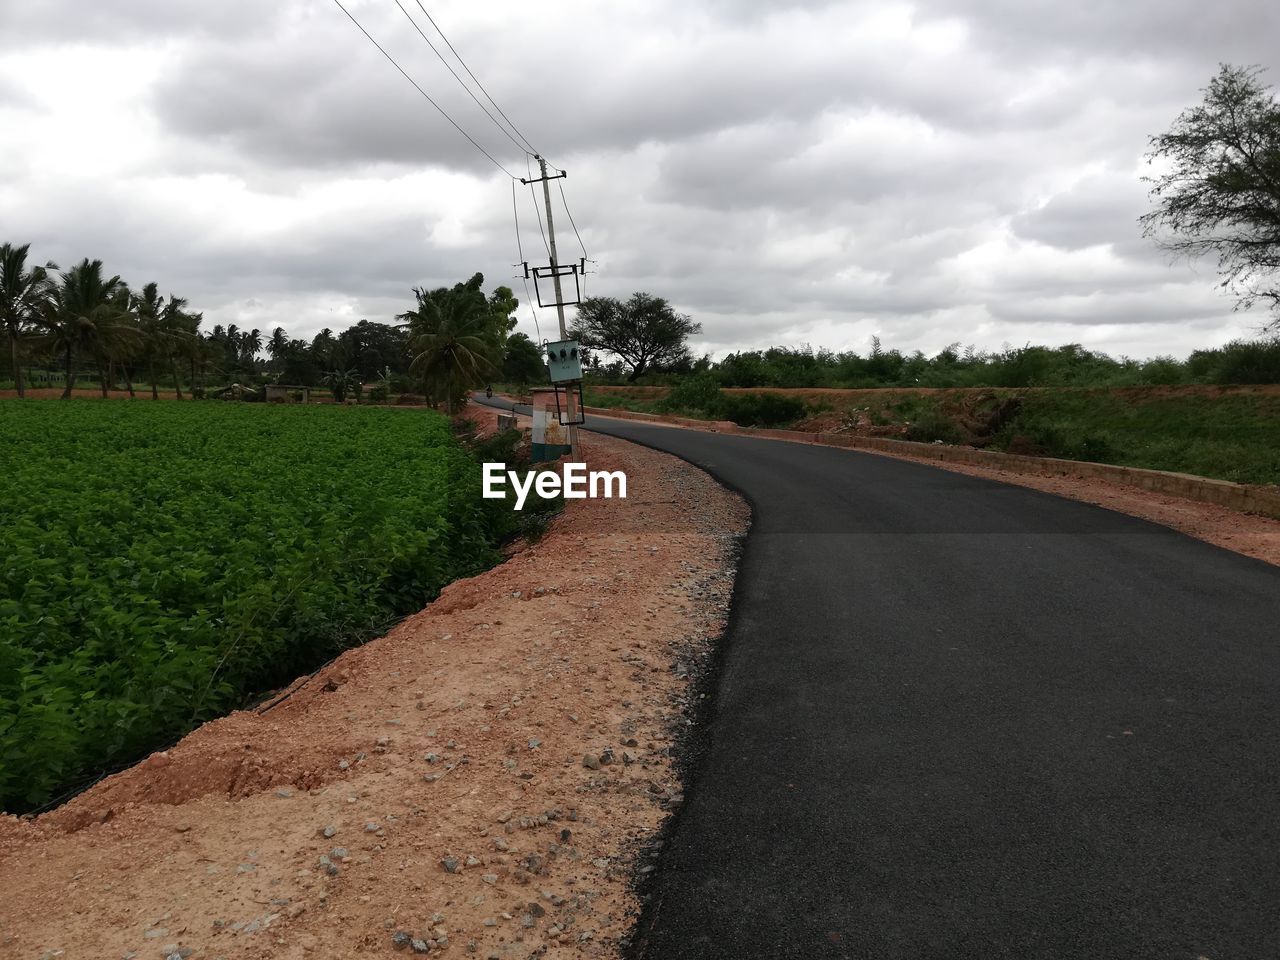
(785, 173)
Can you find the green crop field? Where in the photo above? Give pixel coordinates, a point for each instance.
(161, 562)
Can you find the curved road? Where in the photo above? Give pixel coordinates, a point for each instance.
(960, 719)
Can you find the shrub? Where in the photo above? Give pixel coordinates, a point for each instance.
(698, 394)
(759, 409)
(933, 425)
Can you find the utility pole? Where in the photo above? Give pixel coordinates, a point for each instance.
(551, 242)
(555, 277)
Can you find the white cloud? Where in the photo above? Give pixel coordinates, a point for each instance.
(819, 172)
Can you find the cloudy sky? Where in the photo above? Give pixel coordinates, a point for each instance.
(814, 172)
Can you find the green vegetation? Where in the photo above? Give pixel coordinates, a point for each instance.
(160, 563)
(700, 396)
(1227, 433)
(1232, 437)
(80, 324)
(1030, 366)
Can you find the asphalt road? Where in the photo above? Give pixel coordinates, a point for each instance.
(963, 719)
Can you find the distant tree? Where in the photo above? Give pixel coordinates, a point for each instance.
(452, 342)
(372, 347)
(84, 316)
(180, 339)
(341, 383)
(278, 346)
(523, 361)
(645, 332)
(25, 297)
(1220, 195)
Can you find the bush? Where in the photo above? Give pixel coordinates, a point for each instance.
(700, 394)
(1248, 362)
(931, 426)
(759, 409)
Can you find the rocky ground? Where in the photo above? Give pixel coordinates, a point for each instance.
(486, 780)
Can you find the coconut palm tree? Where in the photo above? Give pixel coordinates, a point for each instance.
(178, 331)
(149, 306)
(85, 316)
(452, 341)
(25, 297)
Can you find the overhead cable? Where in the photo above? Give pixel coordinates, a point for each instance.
(424, 93)
(475, 78)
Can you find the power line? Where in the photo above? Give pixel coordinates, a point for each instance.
(393, 62)
(565, 201)
(533, 197)
(525, 274)
(519, 146)
(473, 77)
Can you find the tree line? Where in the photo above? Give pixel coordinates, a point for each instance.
(450, 341)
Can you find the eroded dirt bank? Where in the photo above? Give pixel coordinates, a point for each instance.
(478, 782)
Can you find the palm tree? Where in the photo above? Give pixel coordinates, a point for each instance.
(453, 340)
(342, 382)
(84, 315)
(25, 297)
(149, 306)
(277, 347)
(250, 346)
(177, 329)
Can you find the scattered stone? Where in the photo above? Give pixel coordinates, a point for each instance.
(155, 933)
(472, 862)
(591, 761)
(450, 864)
(419, 945)
(344, 764)
(329, 831)
(338, 853)
(534, 744)
(371, 827)
(401, 939)
(286, 794)
(432, 758)
(489, 878)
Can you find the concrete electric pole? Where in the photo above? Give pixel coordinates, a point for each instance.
(555, 278)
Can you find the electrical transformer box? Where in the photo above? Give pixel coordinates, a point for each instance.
(564, 360)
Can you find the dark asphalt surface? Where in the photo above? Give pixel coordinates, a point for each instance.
(962, 719)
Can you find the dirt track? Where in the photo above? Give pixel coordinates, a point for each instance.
(447, 757)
